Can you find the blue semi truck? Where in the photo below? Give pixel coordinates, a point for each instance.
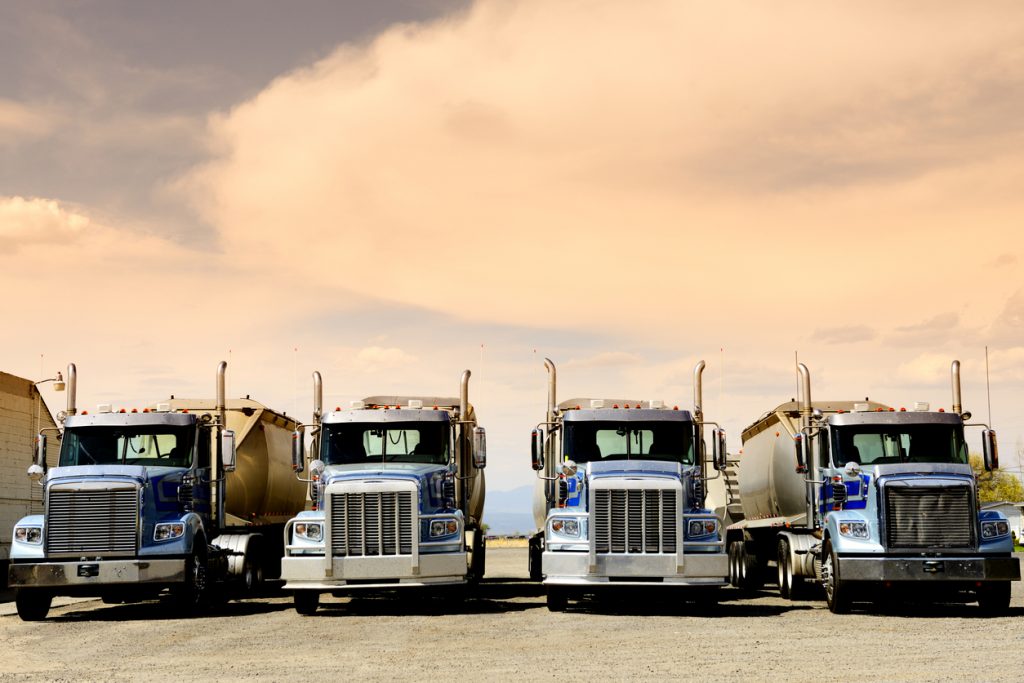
(869, 501)
(398, 491)
(620, 497)
(189, 495)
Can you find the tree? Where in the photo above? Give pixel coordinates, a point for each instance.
(996, 486)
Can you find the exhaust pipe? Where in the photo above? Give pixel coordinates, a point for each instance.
(221, 403)
(217, 500)
(698, 391)
(318, 396)
(464, 395)
(954, 371)
(812, 465)
(552, 379)
(805, 391)
(72, 388)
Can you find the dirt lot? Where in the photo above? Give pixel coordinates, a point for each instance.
(507, 632)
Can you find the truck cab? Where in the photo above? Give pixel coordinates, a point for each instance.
(622, 498)
(398, 488)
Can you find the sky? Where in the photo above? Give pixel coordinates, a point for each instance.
(393, 192)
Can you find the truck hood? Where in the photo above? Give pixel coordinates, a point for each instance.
(924, 469)
(638, 469)
(135, 472)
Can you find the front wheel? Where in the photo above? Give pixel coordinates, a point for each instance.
(33, 605)
(837, 593)
(306, 602)
(194, 595)
(994, 597)
(557, 599)
(535, 558)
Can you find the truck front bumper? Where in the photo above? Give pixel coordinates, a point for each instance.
(573, 569)
(937, 569)
(82, 574)
(311, 572)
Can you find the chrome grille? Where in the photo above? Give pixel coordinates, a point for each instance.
(919, 517)
(372, 524)
(635, 520)
(92, 521)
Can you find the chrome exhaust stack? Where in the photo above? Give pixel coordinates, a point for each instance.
(812, 465)
(318, 397)
(698, 391)
(954, 371)
(72, 388)
(464, 395)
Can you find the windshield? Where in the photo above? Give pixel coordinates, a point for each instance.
(598, 441)
(353, 443)
(147, 445)
(887, 444)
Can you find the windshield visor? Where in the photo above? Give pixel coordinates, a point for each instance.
(882, 445)
(353, 443)
(148, 446)
(601, 441)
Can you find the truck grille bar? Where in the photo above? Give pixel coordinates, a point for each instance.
(94, 521)
(635, 521)
(920, 517)
(372, 523)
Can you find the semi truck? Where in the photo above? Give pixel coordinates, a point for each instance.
(619, 498)
(189, 495)
(864, 498)
(398, 491)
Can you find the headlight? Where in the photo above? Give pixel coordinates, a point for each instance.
(854, 529)
(701, 527)
(443, 527)
(166, 531)
(566, 526)
(994, 529)
(29, 534)
(311, 531)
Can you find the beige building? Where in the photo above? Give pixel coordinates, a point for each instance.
(22, 413)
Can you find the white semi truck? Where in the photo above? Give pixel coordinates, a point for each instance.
(620, 496)
(398, 490)
(189, 495)
(864, 499)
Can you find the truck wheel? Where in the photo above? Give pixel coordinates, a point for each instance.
(194, 594)
(837, 593)
(734, 563)
(478, 561)
(306, 602)
(993, 597)
(557, 599)
(252, 573)
(535, 558)
(33, 605)
(785, 571)
(751, 576)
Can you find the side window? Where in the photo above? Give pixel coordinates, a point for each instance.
(824, 457)
(203, 449)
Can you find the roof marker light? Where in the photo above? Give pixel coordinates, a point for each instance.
(893, 410)
(615, 405)
(675, 407)
(922, 406)
(85, 412)
(145, 410)
(942, 410)
(902, 409)
(185, 411)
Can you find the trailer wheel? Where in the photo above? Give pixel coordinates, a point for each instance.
(994, 597)
(252, 570)
(535, 558)
(307, 602)
(837, 593)
(557, 599)
(33, 604)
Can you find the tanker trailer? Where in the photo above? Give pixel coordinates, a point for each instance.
(189, 495)
(863, 499)
(398, 491)
(620, 496)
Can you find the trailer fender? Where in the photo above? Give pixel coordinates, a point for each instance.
(801, 557)
(236, 547)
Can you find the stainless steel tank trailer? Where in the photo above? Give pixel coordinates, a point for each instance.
(398, 490)
(190, 495)
(859, 496)
(620, 496)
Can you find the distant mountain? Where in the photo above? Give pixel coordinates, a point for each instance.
(509, 512)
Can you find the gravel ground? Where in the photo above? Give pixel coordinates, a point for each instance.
(507, 632)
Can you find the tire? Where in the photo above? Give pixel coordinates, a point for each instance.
(837, 592)
(749, 570)
(785, 572)
(478, 559)
(733, 572)
(535, 559)
(252, 573)
(307, 602)
(557, 599)
(194, 594)
(33, 605)
(993, 597)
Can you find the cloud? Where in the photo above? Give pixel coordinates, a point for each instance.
(604, 359)
(20, 121)
(377, 358)
(847, 334)
(36, 220)
(1003, 260)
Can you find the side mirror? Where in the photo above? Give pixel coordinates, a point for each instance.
(35, 472)
(479, 448)
(40, 458)
(227, 450)
(298, 457)
(800, 445)
(990, 449)
(537, 449)
(316, 468)
(720, 453)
